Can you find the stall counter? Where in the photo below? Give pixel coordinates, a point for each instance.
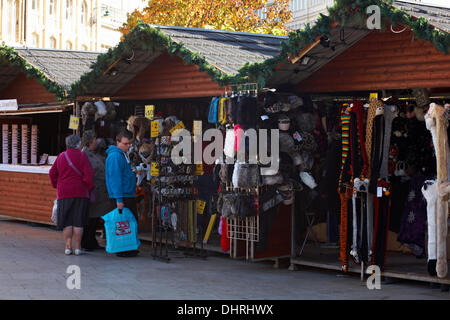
(26, 193)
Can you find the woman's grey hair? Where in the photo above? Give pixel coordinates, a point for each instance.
(88, 137)
(73, 142)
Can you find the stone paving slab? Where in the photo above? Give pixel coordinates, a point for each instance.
(33, 266)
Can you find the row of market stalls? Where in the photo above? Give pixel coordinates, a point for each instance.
(349, 103)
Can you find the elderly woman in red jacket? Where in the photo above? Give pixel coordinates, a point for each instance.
(73, 177)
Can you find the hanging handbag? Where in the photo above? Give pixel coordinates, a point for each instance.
(247, 176)
(245, 206)
(92, 197)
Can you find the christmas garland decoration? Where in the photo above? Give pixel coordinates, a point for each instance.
(343, 13)
(12, 58)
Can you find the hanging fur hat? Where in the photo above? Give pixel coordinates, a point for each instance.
(88, 110)
(168, 124)
(305, 122)
(147, 149)
(284, 122)
(287, 192)
(420, 114)
(308, 180)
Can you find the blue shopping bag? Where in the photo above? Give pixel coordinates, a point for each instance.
(121, 231)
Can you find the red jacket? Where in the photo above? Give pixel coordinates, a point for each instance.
(67, 181)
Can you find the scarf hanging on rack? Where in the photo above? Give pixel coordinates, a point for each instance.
(362, 215)
(345, 127)
(373, 106)
(382, 215)
(377, 152)
(429, 191)
(343, 236)
(358, 109)
(436, 118)
(390, 113)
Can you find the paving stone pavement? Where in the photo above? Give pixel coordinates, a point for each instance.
(33, 267)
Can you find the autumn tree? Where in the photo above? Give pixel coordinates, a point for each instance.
(234, 15)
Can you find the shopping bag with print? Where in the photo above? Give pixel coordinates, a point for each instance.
(121, 231)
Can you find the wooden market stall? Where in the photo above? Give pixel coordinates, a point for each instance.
(340, 60)
(178, 71)
(34, 118)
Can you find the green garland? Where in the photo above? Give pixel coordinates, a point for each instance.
(12, 58)
(151, 39)
(343, 12)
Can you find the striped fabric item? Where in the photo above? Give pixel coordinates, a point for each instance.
(345, 126)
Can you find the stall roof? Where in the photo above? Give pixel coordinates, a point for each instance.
(220, 54)
(344, 34)
(438, 16)
(56, 70)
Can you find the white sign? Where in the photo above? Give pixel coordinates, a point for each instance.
(9, 105)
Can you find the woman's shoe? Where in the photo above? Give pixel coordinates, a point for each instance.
(68, 252)
(78, 252)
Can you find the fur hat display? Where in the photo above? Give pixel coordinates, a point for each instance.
(88, 110)
(305, 121)
(139, 126)
(284, 123)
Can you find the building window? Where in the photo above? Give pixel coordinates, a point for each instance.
(68, 45)
(83, 13)
(84, 47)
(68, 9)
(52, 43)
(35, 40)
(35, 4)
(52, 7)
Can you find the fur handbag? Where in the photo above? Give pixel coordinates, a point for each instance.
(247, 176)
(229, 149)
(229, 205)
(245, 206)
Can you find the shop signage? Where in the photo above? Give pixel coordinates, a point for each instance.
(373, 95)
(155, 129)
(150, 112)
(9, 105)
(154, 171)
(179, 126)
(74, 122)
(197, 130)
(200, 206)
(199, 169)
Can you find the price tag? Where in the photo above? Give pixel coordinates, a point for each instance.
(297, 136)
(180, 125)
(154, 171)
(197, 130)
(155, 129)
(373, 95)
(74, 122)
(200, 206)
(379, 192)
(199, 169)
(150, 112)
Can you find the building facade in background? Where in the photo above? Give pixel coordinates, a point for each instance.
(64, 24)
(306, 11)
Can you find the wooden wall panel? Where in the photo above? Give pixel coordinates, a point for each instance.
(26, 196)
(27, 91)
(168, 77)
(382, 60)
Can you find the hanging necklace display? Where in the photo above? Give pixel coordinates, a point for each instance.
(14, 144)
(5, 143)
(25, 144)
(34, 144)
